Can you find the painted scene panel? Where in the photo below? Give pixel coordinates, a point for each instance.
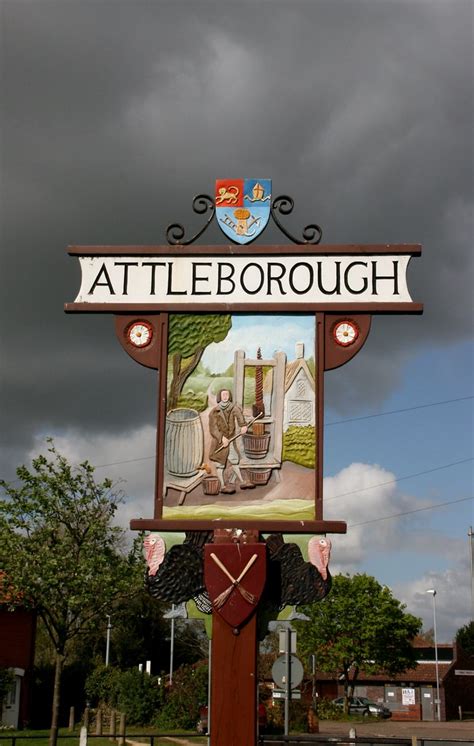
(240, 435)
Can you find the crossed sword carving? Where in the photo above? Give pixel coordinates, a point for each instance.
(235, 583)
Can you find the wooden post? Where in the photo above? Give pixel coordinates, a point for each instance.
(71, 719)
(233, 717)
(122, 727)
(313, 720)
(98, 723)
(112, 727)
(234, 684)
(83, 736)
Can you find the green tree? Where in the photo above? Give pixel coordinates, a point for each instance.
(140, 632)
(188, 337)
(60, 551)
(359, 628)
(465, 638)
(135, 693)
(6, 683)
(184, 698)
(426, 636)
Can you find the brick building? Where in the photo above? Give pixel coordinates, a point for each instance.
(17, 645)
(412, 695)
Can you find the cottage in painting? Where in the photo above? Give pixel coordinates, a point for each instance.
(299, 409)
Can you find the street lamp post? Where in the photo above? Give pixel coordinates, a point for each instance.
(432, 591)
(107, 644)
(313, 676)
(471, 547)
(172, 647)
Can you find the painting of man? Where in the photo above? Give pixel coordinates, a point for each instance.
(226, 424)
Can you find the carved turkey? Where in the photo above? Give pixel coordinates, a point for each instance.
(300, 582)
(178, 575)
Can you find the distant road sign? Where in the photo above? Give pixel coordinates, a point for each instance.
(279, 671)
(281, 694)
(283, 640)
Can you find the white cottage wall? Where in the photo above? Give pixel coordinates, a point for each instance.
(299, 407)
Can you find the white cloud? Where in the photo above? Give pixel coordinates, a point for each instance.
(359, 493)
(364, 492)
(453, 599)
(127, 459)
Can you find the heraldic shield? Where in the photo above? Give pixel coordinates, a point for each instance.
(243, 207)
(234, 575)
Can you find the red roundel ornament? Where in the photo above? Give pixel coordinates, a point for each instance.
(345, 332)
(140, 333)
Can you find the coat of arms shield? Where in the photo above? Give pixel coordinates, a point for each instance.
(243, 207)
(234, 575)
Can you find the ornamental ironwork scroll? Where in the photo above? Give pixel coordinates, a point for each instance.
(281, 205)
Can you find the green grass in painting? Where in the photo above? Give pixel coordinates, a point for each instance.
(292, 509)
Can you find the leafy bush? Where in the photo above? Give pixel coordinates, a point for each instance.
(298, 718)
(184, 698)
(139, 696)
(327, 710)
(6, 683)
(102, 685)
(299, 445)
(132, 692)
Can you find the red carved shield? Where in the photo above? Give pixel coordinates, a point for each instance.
(235, 577)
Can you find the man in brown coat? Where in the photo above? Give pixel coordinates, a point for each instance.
(224, 422)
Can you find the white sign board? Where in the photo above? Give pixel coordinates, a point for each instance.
(281, 694)
(295, 279)
(408, 696)
(282, 641)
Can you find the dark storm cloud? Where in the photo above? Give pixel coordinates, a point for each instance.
(117, 113)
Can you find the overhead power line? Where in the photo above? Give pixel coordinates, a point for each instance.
(397, 411)
(408, 512)
(327, 424)
(399, 479)
(128, 461)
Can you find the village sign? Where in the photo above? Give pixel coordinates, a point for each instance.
(241, 336)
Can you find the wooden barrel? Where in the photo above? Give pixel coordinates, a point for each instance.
(256, 446)
(259, 476)
(184, 442)
(211, 485)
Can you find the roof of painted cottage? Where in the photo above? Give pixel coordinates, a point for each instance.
(291, 371)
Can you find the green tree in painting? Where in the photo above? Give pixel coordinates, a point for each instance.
(60, 553)
(359, 628)
(188, 337)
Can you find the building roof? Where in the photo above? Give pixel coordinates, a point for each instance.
(291, 371)
(423, 673)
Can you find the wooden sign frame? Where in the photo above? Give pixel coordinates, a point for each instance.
(120, 298)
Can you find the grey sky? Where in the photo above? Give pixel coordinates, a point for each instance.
(115, 114)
